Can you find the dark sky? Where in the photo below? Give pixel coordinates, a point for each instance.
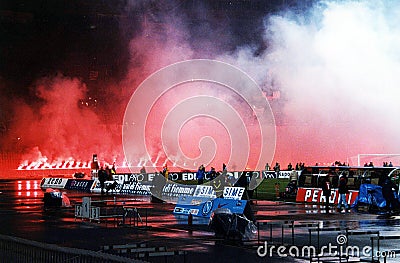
(43, 37)
(90, 39)
(74, 37)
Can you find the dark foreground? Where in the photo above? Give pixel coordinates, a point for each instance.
(23, 215)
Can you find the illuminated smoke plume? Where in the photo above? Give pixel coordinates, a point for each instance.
(335, 66)
(206, 107)
(338, 70)
(59, 128)
(331, 72)
(201, 135)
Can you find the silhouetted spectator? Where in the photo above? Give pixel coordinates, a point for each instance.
(102, 178)
(326, 190)
(212, 173)
(277, 169)
(200, 174)
(388, 189)
(343, 190)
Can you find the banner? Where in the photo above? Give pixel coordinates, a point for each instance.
(235, 193)
(136, 188)
(80, 185)
(191, 205)
(133, 177)
(314, 195)
(111, 186)
(204, 191)
(281, 175)
(57, 183)
(174, 176)
(203, 207)
(176, 190)
(191, 176)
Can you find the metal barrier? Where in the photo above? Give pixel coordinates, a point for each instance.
(314, 240)
(101, 211)
(282, 226)
(14, 249)
(383, 254)
(143, 251)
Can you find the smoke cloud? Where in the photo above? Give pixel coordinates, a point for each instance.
(331, 71)
(338, 69)
(59, 128)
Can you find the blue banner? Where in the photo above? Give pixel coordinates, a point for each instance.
(203, 206)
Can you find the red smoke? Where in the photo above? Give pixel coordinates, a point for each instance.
(60, 128)
(336, 101)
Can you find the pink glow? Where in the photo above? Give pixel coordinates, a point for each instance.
(337, 71)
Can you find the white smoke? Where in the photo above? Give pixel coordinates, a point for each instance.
(338, 69)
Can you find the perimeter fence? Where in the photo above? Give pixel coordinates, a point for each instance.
(14, 249)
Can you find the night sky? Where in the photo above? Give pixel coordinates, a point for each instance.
(41, 38)
(69, 68)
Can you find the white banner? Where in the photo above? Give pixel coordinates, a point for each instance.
(233, 193)
(57, 183)
(204, 191)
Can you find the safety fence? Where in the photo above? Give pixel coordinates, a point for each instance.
(143, 251)
(14, 249)
(318, 243)
(114, 211)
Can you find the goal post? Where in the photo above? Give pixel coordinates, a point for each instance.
(378, 158)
